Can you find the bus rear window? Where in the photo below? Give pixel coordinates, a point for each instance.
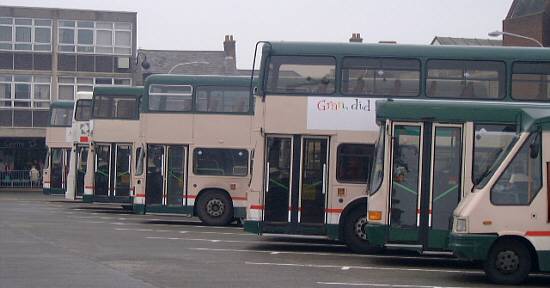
(301, 75)
(170, 98)
(83, 110)
(223, 99)
(61, 117)
(353, 163)
(116, 107)
(531, 81)
(465, 79)
(380, 77)
(220, 162)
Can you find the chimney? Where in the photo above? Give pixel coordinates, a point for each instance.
(356, 38)
(229, 46)
(229, 50)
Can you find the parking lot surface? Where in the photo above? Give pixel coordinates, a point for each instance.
(46, 241)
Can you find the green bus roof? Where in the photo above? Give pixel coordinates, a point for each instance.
(525, 115)
(118, 90)
(408, 51)
(62, 104)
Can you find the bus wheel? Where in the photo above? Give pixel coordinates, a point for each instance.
(354, 232)
(509, 262)
(215, 208)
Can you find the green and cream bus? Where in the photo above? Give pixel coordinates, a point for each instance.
(505, 221)
(59, 143)
(114, 128)
(428, 157)
(314, 128)
(194, 147)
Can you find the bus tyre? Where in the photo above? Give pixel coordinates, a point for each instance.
(509, 262)
(354, 232)
(215, 208)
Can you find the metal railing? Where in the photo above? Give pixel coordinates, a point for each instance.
(20, 179)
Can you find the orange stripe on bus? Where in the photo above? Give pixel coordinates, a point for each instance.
(334, 210)
(47, 182)
(89, 187)
(190, 196)
(140, 195)
(239, 198)
(257, 207)
(538, 233)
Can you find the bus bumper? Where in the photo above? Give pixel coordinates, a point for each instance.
(254, 227)
(377, 234)
(471, 246)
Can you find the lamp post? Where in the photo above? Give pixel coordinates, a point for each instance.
(144, 64)
(500, 33)
(186, 63)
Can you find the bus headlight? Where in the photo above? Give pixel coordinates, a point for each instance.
(461, 225)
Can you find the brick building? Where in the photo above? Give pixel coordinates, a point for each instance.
(529, 18)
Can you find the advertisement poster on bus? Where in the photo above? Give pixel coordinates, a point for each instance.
(341, 113)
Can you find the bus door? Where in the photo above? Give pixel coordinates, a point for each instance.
(165, 179)
(81, 164)
(296, 180)
(426, 171)
(102, 175)
(123, 163)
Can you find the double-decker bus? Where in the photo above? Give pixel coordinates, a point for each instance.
(505, 221)
(114, 127)
(315, 128)
(80, 132)
(194, 147)
(59, 143)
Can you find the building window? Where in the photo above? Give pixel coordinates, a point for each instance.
(25, 34)
(95, 37)
(68, 86)
(24, 100)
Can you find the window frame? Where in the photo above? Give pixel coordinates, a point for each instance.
(502, 85)
(250, 102)
(225, 150)
(192, 92)
(50, 113)
(135, 115)
(339, 161)
(420, 76)
(512, 80)
(76, 114)
(541, 174)
(33, 26)
(266, 78)
(115, 27)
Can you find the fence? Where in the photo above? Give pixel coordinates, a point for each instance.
(19, 179)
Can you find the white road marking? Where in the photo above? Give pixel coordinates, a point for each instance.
(91, 222)
(365, 267)
(322, 254)
(238, 241)
(382, 285)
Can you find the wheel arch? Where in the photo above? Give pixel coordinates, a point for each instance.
(524, 241)
(355, 204)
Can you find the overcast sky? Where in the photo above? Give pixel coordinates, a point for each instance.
(202, 24)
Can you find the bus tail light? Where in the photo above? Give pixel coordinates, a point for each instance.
(375, 215)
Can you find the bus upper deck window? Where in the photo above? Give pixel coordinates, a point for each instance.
(531, 81)
(381, 77)
(301, 75)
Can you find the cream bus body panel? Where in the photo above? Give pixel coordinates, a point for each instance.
(485, 217)
(119, 131)
(197, 131)
(288, 115)
(58, 137)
